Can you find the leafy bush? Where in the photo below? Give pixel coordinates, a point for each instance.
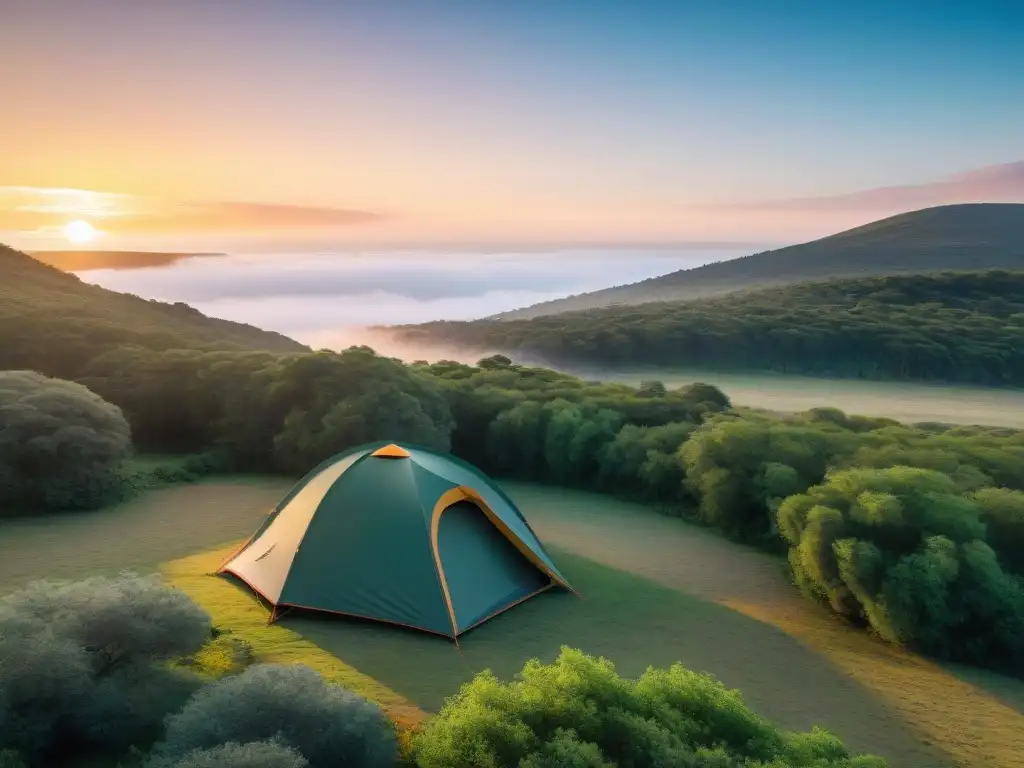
(326, 723)
(143, 475)
(901, 550)
(83, 664)
(60, 444)
(578, 713)
(221, 656)
(256, 754)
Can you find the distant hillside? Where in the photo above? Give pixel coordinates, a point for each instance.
(52, 321)
(82, 261)
(952, 327)
(951, 237)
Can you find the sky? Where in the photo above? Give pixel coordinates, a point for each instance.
(208, 124)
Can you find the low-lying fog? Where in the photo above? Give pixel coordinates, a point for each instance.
(327, 300)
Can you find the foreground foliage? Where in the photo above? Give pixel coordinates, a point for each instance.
(579, 712)
(325, 724)
(104, 668)
(83, 664)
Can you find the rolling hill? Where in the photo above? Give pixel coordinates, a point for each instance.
(51, 320)
(953, 237)
(948, 327)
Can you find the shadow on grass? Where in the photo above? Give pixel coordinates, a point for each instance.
(635, 623)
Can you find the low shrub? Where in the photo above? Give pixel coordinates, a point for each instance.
(84, 664)
(327, 724)
(223, 655)
(140, 475)
(578, 713)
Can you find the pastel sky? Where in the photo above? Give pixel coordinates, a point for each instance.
(206, 123)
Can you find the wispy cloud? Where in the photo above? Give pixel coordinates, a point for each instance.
(994, 184)
(237, 216)
(41, 208)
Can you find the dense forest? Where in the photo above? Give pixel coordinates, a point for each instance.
(970, 237)
(950, 327)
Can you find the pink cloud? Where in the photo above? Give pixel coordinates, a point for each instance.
(995, 184)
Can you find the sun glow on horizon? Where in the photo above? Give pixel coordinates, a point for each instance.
(80, 231)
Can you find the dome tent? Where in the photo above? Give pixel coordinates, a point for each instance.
(404, 535)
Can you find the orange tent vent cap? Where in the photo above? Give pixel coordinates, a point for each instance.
(391, 451)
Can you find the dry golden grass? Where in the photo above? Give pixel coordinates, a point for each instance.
(967, 722)
(234, 610)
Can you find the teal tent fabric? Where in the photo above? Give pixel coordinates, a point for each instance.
(399, 534)
(485, 572)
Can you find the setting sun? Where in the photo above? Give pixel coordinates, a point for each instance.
(80, 231)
